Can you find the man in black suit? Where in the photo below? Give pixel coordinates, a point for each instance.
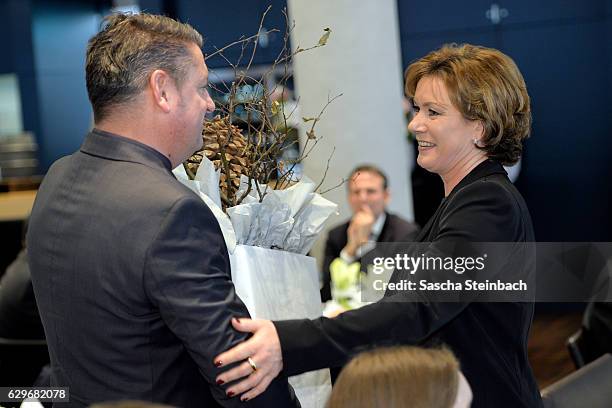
(368, 196)
(129, 266)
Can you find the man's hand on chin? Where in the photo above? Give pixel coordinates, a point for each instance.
(359, 229)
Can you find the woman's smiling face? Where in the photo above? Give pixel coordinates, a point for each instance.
(445, 137)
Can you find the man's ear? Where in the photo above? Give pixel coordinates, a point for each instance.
(163, 90)
(387, 196)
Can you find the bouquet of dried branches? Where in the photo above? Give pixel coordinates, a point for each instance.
(248, 138)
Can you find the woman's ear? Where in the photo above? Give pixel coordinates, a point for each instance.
(479, 132)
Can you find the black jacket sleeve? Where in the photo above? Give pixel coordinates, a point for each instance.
(188, 278)
(481, 212)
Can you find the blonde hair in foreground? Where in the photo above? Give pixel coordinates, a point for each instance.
(398, 377)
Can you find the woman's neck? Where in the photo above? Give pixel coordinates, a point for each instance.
(457, 173)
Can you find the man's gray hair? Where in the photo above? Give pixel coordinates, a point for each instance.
(121, 57)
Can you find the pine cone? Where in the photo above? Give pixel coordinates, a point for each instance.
(222, 137)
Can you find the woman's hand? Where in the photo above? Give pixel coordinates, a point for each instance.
(266, 360)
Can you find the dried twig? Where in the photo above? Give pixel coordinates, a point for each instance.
(344, 180)
(326, 168)
(240, 41)
(267, 132)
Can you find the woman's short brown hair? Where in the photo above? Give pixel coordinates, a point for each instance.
(484, 84)
(398, 377)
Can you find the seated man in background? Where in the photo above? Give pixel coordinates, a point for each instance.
(368, 196)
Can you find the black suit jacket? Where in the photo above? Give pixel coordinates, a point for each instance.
(490, 339)
(132, 278)
(395, 229)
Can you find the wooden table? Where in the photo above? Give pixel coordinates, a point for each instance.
(16, 205)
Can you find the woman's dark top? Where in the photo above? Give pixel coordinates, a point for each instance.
(489, 339)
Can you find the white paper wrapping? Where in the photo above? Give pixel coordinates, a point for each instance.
(280, 285)
(201, 188)
(289, 219)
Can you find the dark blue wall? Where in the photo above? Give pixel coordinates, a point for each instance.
(564, 51)
(222, 23)
(60, 31)
(153, 6)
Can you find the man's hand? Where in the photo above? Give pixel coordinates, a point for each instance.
(359, 229)
(264, 350)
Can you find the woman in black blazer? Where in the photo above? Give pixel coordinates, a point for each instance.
(472, 113)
